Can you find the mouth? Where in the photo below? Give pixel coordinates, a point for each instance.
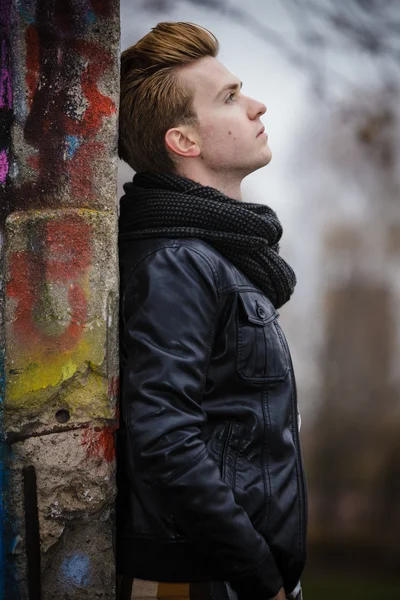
(261, 132)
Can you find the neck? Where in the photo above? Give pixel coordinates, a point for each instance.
(224, 183)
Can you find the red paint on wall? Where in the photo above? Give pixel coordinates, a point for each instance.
(100, 106)
(100, 443)
(63, 259)
(33, 161)
(113, 387)
(82, 164)
(20, 287)
(67, 249)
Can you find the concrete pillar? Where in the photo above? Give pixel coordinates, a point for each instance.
(61, 295)
(7, 531)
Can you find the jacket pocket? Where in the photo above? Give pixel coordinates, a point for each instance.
(261, 356)
(233, 437)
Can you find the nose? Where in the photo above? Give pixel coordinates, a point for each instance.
(256, 108)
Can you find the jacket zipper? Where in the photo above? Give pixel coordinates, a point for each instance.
(227, 439)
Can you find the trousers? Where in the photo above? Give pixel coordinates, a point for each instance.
(138, 589)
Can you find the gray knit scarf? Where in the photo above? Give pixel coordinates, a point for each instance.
(161, 205)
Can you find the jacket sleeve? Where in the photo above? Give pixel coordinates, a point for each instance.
(170, 323)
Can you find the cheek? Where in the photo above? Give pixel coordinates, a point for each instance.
(221, 141)
(216, 135)
(211, 138)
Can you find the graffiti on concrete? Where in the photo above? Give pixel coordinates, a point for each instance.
(65, 126)
(76, 570)
(56, 290)
(66, 104)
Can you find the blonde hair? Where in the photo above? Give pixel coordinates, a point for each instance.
(152, 98)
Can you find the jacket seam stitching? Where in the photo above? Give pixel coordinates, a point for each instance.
(183, 470)
(162, 247)
(207, 260)
(240, 287)
(213, 327)
(268, 508)
(265, 469)
(132, 270)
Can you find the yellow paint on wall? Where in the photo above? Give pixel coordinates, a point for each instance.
(38, 372)
(68, 369)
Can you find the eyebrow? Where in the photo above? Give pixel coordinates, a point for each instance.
(230, 86)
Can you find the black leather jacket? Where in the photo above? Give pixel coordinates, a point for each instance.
(210, 425)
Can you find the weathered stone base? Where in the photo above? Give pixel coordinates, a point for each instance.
(63, 494)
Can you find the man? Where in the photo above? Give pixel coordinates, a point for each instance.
(212, 491)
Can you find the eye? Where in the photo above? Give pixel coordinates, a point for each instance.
(231, 97)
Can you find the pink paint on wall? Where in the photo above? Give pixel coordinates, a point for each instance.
(5, 79)
(3, 166)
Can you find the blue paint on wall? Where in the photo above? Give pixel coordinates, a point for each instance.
(72, 144)
(91, 17)
(75, 570)
(27, 11)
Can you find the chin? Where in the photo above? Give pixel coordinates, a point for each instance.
(265, 159)
(268, 155)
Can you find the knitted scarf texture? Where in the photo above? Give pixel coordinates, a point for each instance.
(171, 206)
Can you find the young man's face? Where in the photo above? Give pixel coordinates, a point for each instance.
(229, 122)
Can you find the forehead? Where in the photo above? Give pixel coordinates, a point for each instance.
(206, 77)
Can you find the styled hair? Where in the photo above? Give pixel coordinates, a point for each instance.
(152, 98)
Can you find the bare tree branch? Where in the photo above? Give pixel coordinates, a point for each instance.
(322, 28)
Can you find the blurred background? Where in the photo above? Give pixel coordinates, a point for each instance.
(328, 71)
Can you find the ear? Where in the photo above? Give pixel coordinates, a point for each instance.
(182, 141)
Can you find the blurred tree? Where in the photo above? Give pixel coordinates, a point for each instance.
(322, 30)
